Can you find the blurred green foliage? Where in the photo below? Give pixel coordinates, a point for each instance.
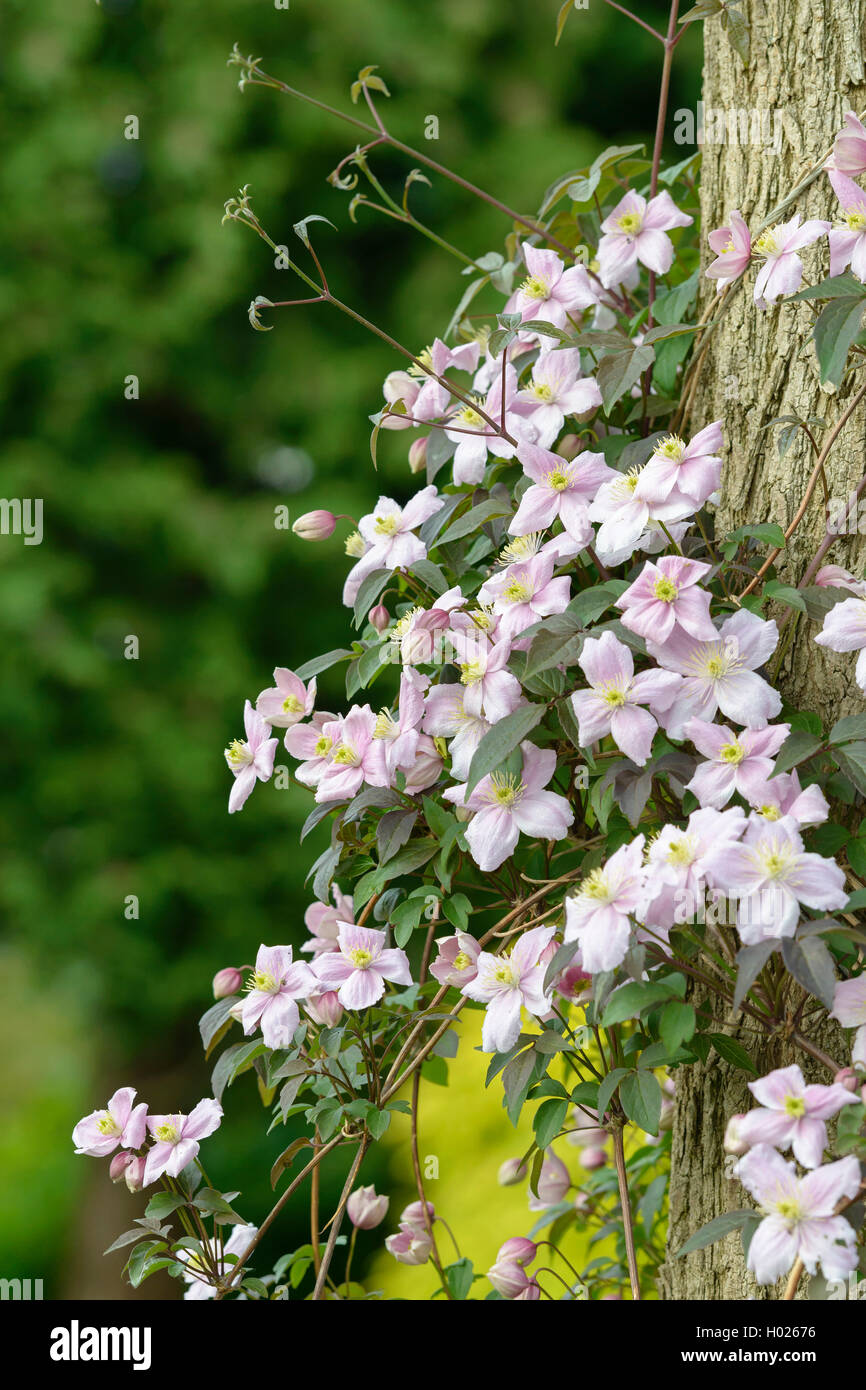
(159, 512)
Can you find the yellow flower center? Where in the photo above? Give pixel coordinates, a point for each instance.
(355, 546)
(680, 852)
(517, 592)
(425, 358)
(770, 812)
(386, 726)
(346, 756)
(167, 1133)
(264, 982)
(671, 448)
(471, 671)
(665, 590)
(767, 243)
(732, 753)
(629, 222)
(462, 961)
(386, 525)
(323, 746)
(795, 1106)
(505, 789)
(542, 392)
(521, 548)
(360, 957)
(557, 479)
(292, 705)
(614, 696)
(596, 886)
(535, 287)
(237, 753)
(108, 1125)
(855, 220)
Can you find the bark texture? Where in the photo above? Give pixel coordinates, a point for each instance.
(806, 70)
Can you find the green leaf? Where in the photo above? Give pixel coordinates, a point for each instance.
(163, 1204)
(322, 663)
(548, 1121)
(853, 726)
(835, 287)
(211, 1023)
(641, 1098)
(459, 1278)
(392, 832)
(608, 1086)
(677, 1024)
(798, 746)
(811, 964)
(714, 1230)
(501, 740)
(852, 764)
(286, 1159)
(750, 962)
(370, 589)
(785, 593)
(474, 519)
(620, 371)
(835, 330)
(732, 1052)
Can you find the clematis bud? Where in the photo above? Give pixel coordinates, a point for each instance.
(593, 1158)
(418, 455)
(315, 526)
(410, 1245)
(732, 1142)
(134, 1173)
(366, 1208)
(847, 1077)
(519, 1249)
(569, 446)
(227, 982)
(324, 1008)
(512, 1171)
(553, 1183)
(426, 767)
(119, 1165)
(530, 1294)
(379, 617)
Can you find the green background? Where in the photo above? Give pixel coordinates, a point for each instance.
(159, 512)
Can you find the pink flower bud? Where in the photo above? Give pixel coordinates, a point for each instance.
(847, 1077)
(508, 1279)
(510, 1172)
(569, 446)
(315, 526)
(519, 1249)
(119, 1165)
(418, 455)
(553, 1183)
(325, 1008)
(530, 1294)
(134, 1174)
(379, 617)
(227, 982)
(414, 1215)
(593, 1158)
(366, 1208)
(732, 1142)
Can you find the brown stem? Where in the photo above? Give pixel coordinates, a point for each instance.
(622, 1180)
(337, 1220)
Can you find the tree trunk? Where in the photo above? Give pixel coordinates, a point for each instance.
(806, 70)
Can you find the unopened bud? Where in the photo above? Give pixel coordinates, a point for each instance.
(315, 526)
(418, 455)
(379, 617)
(847, 1077)
(227, 982)
(119, 1165)
(593, 1158)
(325, 1008)
(512, 1171)
(732, 1142)
(366, 1208)
(134, 1174)
(568, 446)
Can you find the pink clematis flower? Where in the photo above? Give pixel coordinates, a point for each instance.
(288, 701)
(323, 922)
(792, 1114)
(556, 389)
(560, 488)
(176, 1139)
(835, 577)
(849, 1006)
(635, 231)
(354, 759)
(250, 759)
(457, 961)
(120, 1123)
(412, 1243)
(446, 716)
(388, 533)
(524, 593)
(550, 292)
(598, 914)
(782, 271)
(313, 746)
(733, 248)
(771, 874)
(397, 739)
(849, 148)
(612, 705)
(470, 456)
(736, 763)
(507, 806)
(844, 630)
(507, 983)
(721, 675)
(425, 767)
(665, 595)
(423, 397)
(783, 796)
(274, 987)
(629, 522)
(359, 969)
(676, 872)
(800, 1220)
(848, 242)
(676, 469)
(198, 1290)
(490, 690)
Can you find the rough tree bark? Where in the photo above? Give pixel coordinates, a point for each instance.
(807, 66)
